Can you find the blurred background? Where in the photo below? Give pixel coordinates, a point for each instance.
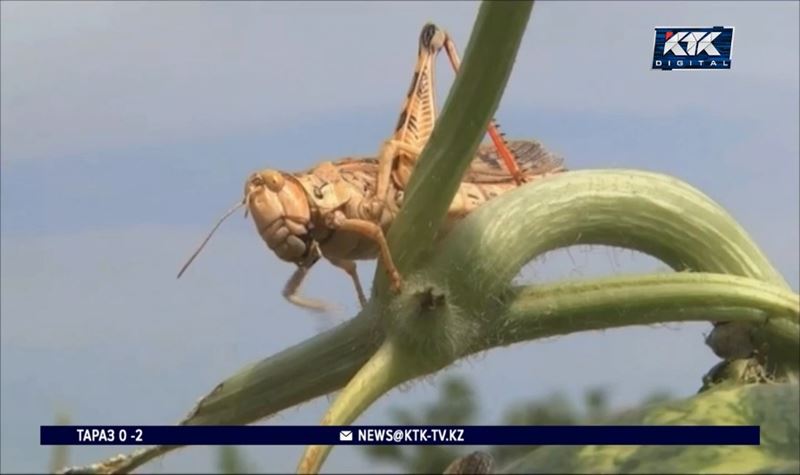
(128, 127)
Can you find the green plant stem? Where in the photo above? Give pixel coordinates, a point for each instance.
(378, 376)
(534, 312)
(313, 368)
(470, 105)
(649, 212)
(316, 367)
(644, 300)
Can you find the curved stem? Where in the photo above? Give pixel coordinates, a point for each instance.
(649, 212)
(385, 370)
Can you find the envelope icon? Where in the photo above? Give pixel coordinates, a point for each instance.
(346, 435)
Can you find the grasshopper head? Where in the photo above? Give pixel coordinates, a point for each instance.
(281, 213)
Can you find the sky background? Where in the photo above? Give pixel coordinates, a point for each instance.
(128, 127)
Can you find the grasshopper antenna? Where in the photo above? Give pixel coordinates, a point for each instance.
(200, 248)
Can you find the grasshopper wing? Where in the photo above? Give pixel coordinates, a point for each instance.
(532, 157)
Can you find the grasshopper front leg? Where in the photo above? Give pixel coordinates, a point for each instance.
(291, 291)
(292, 287)
(370, 230)
(350, 267)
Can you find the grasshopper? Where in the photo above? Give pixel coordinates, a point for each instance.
(341, 210)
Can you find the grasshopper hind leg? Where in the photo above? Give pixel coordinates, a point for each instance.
(416, 120)
(398, 155)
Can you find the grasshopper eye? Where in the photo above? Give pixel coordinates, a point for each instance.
(274, 181)
(318, 193)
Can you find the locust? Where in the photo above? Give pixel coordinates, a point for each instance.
(341, 210)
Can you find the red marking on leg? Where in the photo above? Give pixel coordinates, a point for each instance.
(505, 154)
(500, 144)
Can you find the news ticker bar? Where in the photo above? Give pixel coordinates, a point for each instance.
(399, 435)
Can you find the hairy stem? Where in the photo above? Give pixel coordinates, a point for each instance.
(385, 370)
(649, 212)
(644, 300)
(470, 105)
(534, 312)
(313, 368)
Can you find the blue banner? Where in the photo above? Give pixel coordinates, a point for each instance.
(399, 435)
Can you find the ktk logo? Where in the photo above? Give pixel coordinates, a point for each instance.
(693, 48)
(696, 43)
